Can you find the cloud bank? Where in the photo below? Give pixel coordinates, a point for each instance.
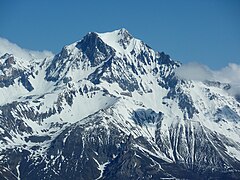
(11, 48)
(198, 72)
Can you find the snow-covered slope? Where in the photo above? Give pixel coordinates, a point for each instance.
(109, 106)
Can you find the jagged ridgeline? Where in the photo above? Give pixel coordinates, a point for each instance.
(110, 107)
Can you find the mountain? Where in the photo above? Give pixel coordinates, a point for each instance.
(110, 107)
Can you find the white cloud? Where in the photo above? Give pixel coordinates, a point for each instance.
(229, 74)
(11, 48)
(194, 71)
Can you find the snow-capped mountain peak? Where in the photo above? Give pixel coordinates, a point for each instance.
(110, 107)
(120, 40)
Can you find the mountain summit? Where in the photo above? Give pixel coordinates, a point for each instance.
(110, 107)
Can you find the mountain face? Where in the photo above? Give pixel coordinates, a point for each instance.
(110, 107)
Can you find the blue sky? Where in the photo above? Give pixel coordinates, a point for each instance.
(204, 31)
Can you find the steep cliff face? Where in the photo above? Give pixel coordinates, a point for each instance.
(109, 106)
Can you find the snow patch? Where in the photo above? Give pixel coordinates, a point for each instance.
(101, 168)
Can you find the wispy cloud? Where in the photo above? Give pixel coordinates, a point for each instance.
(229, 74)
(194, 71)
(11, 48)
